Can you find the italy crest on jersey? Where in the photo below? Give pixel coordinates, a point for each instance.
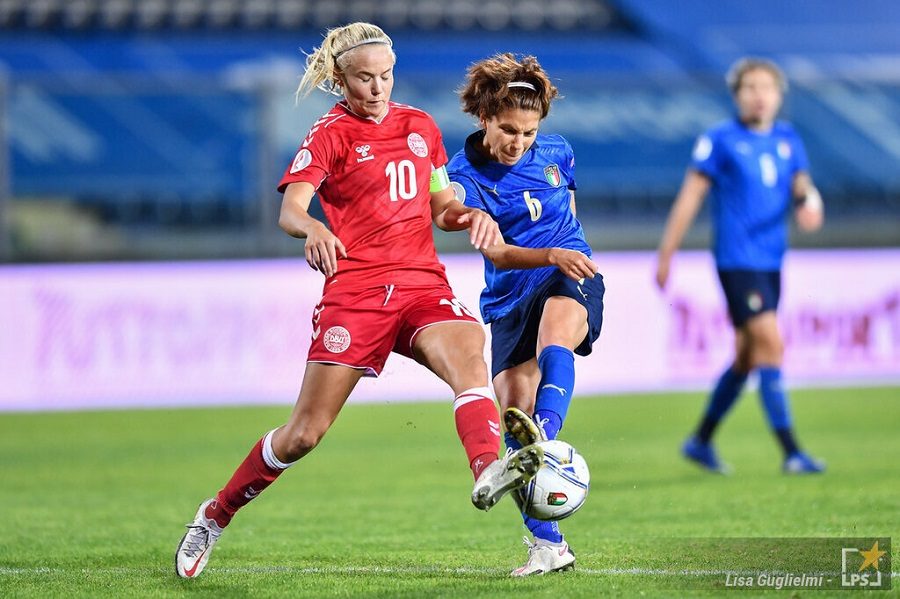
(784, 150)
(552, 174)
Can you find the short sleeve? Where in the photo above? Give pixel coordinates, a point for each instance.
(438, 152)
(467, 191)
(801, 161)
(568, 166)
(313, 161)
(704, 157)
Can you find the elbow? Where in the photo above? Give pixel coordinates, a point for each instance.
(283, 223)
(440, 221)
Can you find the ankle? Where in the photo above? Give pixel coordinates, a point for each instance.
(481, 462)
(219, 513)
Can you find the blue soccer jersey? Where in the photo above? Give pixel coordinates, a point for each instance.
(531, 203)
(751, 175)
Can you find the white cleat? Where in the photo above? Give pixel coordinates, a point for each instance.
(544, 557)
(196, 544)
(508, 473)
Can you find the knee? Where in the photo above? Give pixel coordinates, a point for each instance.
(473, 342)
(743, 363)
(778, 350)
(298, 443)
(469, 353)
(470, 356)
(514, 400)
(768, 351)
(521, 402)
(743, 357)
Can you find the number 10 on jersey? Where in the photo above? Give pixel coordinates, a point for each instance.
(402, 177)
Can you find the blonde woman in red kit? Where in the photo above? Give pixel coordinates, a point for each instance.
(378, 168)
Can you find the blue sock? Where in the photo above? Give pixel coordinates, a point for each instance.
(544, 530)
(774, 399)
(548, 531)
(726, 392)
(554, 393)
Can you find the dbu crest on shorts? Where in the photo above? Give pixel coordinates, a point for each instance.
(336, 339)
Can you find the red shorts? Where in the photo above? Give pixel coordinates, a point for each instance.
(361, 327)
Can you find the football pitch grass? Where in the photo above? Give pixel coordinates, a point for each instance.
(94, 503)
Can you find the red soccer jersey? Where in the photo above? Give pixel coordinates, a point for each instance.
(373, 181)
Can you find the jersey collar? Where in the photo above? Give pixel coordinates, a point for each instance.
(758, 133)
(476, 158)
(343, 104)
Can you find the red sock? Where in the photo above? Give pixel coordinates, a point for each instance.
(478, 427)
(248, 481)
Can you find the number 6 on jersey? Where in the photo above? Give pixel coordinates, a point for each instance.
(534, 207)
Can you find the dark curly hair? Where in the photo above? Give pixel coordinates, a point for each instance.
(486, 92)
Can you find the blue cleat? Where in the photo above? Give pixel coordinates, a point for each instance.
(704, 455)
(800, 463)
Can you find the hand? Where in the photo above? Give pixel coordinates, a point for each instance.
(662, 273)
(483, 231)
(573, 264)
(322, 249)
(810, 218)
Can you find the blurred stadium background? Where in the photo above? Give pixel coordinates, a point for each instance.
(141, 140)
(157, 129)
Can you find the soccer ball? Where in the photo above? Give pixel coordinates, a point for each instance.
(560, 486)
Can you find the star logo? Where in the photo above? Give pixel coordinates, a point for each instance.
(861, 568)
(871, 557)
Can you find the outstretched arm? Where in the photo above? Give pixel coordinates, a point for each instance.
(572, 263)
(690, 197)
(449, 214)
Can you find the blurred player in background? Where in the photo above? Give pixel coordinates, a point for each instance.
(757, 170)
(544, 296)
(380, 171)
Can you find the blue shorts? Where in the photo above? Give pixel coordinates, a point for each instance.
(749, 293)
(514, 336)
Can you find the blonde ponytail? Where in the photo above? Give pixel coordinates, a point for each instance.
(324, 62)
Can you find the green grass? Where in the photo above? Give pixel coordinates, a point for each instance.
(94, 503)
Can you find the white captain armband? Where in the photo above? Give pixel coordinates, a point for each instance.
(440, 180)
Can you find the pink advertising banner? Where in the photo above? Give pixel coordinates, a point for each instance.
(180, 334)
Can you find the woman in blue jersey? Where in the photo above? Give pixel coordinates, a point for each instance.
(544, 296)
(757, 170)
